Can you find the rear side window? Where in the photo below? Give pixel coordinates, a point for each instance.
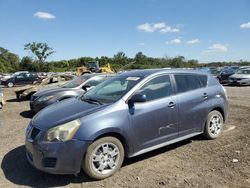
(203, 80)
(187, 82)
(157, 88)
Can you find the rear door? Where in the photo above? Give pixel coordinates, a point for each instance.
(154, 121)
(192, 96)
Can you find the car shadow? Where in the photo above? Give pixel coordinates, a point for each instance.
(27, 114)
(13, 100)
(18, 170)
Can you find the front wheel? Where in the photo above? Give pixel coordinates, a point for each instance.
(214, 125)
(10, 84)
(103, 158)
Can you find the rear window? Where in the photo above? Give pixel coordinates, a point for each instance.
(188, 82)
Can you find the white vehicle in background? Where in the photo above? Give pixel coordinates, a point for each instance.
(240, 78)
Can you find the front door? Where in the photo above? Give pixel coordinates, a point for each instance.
(154, 121)
(20, 79)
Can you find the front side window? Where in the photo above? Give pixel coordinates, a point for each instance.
(186, 82)
(157, 88)
(21, 76)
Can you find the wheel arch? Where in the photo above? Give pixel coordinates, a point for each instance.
(65, 97)
(117, 135)
(220, 110)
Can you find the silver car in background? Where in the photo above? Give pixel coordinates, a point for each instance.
(241, 77)
(76, 87)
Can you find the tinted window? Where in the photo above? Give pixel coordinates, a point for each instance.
(203, 80)
(21, 76)
(157, 88)
(186, 83)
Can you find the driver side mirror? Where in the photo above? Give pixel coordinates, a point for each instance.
(86, 87)
(137, 98)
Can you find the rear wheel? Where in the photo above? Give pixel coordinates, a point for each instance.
(103, 158)
(214, 125)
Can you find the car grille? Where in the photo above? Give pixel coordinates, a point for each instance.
(34, 132)
(49, 162)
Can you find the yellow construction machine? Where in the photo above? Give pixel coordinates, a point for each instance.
(93, 67)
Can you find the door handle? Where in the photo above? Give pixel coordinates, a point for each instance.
(171, 104)
(205, 95)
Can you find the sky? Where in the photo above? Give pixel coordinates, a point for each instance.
(207, 30)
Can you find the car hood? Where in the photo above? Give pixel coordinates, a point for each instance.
(48, 91)
(65, 111)
(240, 76)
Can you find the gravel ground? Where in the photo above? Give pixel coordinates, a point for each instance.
(196, 162)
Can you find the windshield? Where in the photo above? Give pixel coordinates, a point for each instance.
(242, 71)
(76, 82)
(214, 71)
(113, 89)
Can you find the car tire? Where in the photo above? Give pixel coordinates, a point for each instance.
(10, 84)
(214, 125)
(1, 105)
(103, 158)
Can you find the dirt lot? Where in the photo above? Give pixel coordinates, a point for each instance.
(192, 163)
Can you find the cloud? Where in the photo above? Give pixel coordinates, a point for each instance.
(193, 41)
(245, 25)
(162, 27)
(44, 15)
(169, 29)
(174, 41)
(216, 48)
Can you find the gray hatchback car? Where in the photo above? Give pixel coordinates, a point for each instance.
(125, 116)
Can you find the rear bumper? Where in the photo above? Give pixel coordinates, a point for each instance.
(56, 158)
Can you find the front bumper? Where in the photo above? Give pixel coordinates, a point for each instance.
(242, 82)
(56, 158)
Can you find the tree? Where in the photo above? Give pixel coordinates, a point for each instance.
(9, 62)
(40, 50)
(120, 58)
(140, 58)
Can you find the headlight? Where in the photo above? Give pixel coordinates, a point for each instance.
(46, 98)
(62, 132)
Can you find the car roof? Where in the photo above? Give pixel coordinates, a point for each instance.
(148, 72)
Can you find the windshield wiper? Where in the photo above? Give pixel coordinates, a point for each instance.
(91, 100)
